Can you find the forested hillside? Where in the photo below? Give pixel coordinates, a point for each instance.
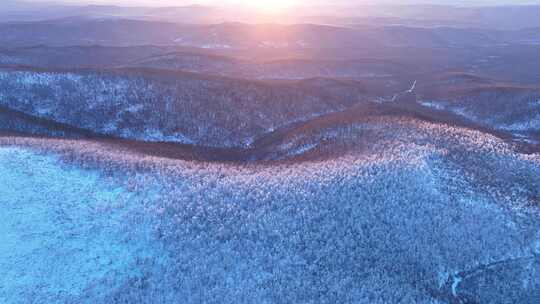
(167, 106)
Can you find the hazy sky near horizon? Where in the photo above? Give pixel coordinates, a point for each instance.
(285, 2)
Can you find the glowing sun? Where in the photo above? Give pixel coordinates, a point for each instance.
(271, 6)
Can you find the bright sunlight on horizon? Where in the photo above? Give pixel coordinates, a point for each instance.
(271, 6)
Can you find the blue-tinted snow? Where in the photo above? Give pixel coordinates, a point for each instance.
(63, 231)
(427, 214)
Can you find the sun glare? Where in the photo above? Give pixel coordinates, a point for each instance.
(271, 6)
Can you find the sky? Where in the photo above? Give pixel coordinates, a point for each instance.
(279, 6)
(284, 2)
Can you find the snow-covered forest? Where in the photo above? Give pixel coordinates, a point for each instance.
(166, 106)
(322, 154)
(427, 214)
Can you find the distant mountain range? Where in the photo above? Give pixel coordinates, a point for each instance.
(129, 32)
(509, 17)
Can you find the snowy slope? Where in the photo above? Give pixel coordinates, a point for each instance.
(64, 231)
(426, 214)
(167, 106)
(511, 109)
